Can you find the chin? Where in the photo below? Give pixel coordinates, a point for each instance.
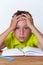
(21, 41)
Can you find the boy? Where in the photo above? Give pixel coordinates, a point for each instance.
(21, 32)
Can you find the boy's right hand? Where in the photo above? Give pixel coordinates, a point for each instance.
(14, 21)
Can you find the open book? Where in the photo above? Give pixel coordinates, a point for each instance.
(27, 51)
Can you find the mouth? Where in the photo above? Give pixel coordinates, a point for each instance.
(21, 38)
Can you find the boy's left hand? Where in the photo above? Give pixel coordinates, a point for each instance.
(29, 20)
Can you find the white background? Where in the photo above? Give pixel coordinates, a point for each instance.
(8, 7)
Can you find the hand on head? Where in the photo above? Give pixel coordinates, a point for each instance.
(14, 21)
(16, 18)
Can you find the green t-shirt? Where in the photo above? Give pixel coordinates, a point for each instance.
(12, 42)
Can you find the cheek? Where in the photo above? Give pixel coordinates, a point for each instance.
(27, 33)
(16, 33)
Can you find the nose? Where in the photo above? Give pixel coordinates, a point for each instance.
(21, 31)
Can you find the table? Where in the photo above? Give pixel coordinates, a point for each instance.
(23, 60)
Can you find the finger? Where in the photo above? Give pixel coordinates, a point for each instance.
(18, 19)
(17, 16)
(27, 16)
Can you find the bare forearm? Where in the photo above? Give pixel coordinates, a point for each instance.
(4, 34)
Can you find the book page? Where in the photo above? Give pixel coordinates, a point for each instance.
(30, 51)
(27, 51)
(12, 52)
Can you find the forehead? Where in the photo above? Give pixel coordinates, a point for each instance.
(21, 23)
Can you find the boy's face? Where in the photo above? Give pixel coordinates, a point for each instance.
(22, 31)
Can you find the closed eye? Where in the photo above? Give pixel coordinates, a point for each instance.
(26, 27)
(17, 27)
